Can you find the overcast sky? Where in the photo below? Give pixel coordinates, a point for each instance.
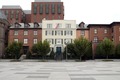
(88, 11)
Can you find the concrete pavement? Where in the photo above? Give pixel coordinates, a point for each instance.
(60, 70)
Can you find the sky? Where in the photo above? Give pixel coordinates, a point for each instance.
(88, 11)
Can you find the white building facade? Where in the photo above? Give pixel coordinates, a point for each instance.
(58, 33)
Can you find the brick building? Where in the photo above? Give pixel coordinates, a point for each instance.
(13, 13)
(82, 30)
(115, 26)
(27, 33)
(4, 24)
(97, 33)
(49, 9)
(27, 16)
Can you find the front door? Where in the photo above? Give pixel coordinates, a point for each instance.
(58, 50)
(25, 49)
(58, 53)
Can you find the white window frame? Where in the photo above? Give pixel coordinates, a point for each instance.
(82, 33)
(16, 40)
(49, 25)
(35, 32)
(58, 41)
(35, 41)
(68, 25)
(25, 41)
(68, 33)
(16, 32)
(95, 31)
(25, 32)
(105, 31)
(95, 39)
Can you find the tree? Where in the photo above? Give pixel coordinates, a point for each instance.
(107, 47)
(88, 54)
(81, 46)
(70, 49)
(14, 49)
(41, 48)
(45, 48)
(99, 51)
(117, 50)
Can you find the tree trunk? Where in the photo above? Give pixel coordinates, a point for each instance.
(107, 56)
(80, 58)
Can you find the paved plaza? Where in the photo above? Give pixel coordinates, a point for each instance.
(59, 70)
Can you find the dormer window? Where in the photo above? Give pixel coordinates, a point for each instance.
(26, 25)
(16, 25)
(81, 25)
(36, 25)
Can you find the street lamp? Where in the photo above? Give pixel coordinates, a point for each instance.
(66, 49)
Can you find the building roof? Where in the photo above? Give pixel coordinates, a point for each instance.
(115, 23)
(47, 0)
(2, 16)
(85, 26)
(11, 7)
(91, 25)
(31, 25)
(27, 11)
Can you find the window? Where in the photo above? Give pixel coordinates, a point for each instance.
(35, 9)
(48, 32)
(95, 31)
(35, 25)
(12, 13)
(17, 25)
(71, 33)
(105, 31)
(67, 41)
(15, 32)
(35, 41)
(41, 8)
(47, 8)
(25, 41)
(68, 33)
(58, 32)
(53, 8)
(49, 25)
(82, 32)
(26, 25)
(35, 32)
(58, 41)
(59, 8)
(16, 16)
(45, 32)
(68, 25)
(25, 32)
(95, 39)
(61, 32)
(16, 40)
(17, 12)
(6, 13)
(52, 32)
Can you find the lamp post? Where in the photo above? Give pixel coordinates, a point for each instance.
(66, 49)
